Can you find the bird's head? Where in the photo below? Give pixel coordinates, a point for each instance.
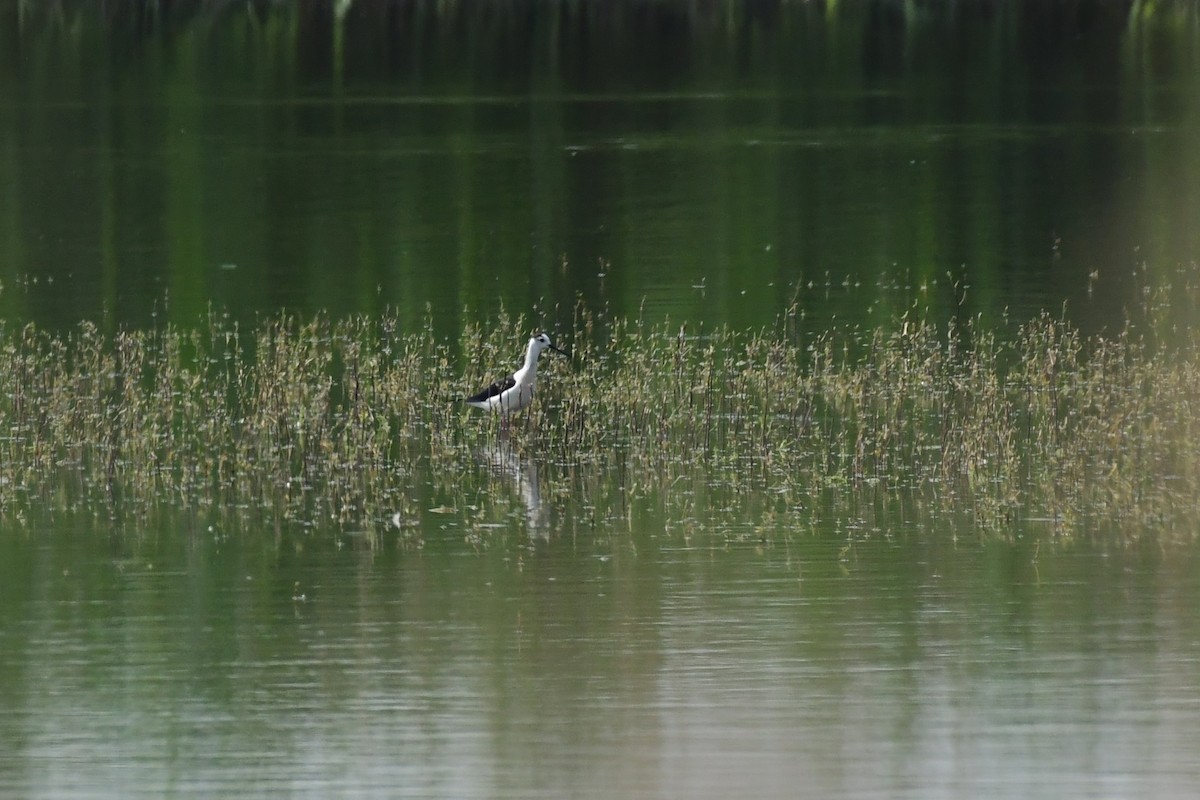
(542, 342)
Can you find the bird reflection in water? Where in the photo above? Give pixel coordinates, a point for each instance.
(522, 474)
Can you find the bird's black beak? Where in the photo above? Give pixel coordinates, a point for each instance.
(559, 351)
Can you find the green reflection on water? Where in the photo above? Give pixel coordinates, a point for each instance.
(188, 657)
(700, 166)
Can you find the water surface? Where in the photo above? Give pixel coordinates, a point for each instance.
(598, 664)
(646, 158)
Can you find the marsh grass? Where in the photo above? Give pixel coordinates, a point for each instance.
(351, 424)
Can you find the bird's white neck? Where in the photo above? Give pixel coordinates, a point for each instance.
(529, 369)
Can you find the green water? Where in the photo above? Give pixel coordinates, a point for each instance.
(191, 662)
(648, 158)
(529, 633)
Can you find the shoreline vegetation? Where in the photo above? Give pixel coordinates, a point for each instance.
(351, 425)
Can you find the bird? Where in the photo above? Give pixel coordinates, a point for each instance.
(515, 392)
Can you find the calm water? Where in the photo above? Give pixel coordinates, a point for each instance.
(645, 158)
(595, 665)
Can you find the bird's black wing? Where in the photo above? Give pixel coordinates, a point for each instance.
(493, 390)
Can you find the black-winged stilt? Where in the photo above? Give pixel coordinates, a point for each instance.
(516, 391)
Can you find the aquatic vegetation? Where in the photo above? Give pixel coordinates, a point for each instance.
(350, 424)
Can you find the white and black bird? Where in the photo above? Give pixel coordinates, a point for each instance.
(515, 392)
